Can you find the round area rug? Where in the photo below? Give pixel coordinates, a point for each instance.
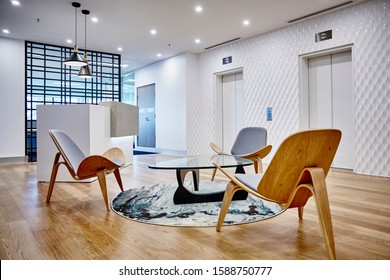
(154, 205)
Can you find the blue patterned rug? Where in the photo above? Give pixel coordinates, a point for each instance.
(154, 205)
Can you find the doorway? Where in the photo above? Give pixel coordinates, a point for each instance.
(329, 99)
(229, 108)
(146, 100)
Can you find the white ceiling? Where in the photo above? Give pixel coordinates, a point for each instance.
(127, 23)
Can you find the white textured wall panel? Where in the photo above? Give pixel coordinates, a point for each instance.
(192, 95)
(270, 65)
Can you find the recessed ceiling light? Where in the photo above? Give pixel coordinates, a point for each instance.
(153, 32)
(197, 41)
(94, 19)
(245, 22)
(159, 54)
(69, 41)
(120, 49)
(6, 31)
(15, 3)
(198, 9)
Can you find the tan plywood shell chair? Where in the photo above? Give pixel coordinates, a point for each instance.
(83, 167)
(296, 172)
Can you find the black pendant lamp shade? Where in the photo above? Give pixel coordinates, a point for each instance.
(75, 59)
(85, 71)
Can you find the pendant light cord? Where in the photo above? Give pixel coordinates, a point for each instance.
(75, 26)
(85, 13)
(85, 32)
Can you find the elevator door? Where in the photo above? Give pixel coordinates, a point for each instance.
(331, 101)
(232, 108)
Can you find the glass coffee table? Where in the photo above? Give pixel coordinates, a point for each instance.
(194, 164)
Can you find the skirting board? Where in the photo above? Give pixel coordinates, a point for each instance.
(71, 181)
(13, 160)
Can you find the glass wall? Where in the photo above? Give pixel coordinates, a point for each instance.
(50, 81)
(128, 89)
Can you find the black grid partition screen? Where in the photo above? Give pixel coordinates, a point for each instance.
(50, 81)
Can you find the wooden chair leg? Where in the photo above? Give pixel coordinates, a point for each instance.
(118, 178)
(227, 198)
(256, 166)
(300, 213)
(53, 176)
(101, 175)
(213, 175)
(321, 198)
(259, 166)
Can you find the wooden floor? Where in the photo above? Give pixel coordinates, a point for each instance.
(76, 225)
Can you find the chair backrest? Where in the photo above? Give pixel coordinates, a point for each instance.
(248, 140)
(70, 152)
(311, 148)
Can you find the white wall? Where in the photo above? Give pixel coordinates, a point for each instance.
(12, 98)
(169, 77)
(270, 65)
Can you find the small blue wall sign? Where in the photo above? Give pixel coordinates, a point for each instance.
(269, 114)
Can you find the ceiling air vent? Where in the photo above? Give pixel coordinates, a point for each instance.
(223, 43)
(320, 12)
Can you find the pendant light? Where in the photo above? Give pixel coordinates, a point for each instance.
(75, 59)
(85, 71)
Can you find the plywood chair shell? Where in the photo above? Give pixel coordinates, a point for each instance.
(89, 167)
(296, 173)
(284, 171)
(115, 154)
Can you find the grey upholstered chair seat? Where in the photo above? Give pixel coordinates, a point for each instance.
(250, 180)
(250, 143)
(248, 140)
(68, 148)
(118, 161)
